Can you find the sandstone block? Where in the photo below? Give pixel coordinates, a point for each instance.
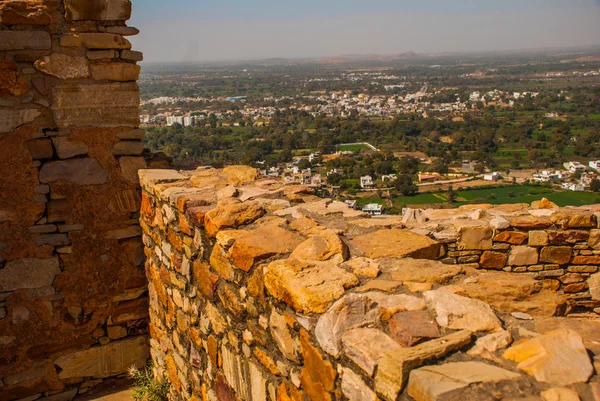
(359, 310)
(52, 239)
(512, 237)
(493, 260)
(567, 237)
(10, 120)
(451, 380)
(67, 149)
(58, 210)
(322, 247)
(354, 388)
(123, 30)
(458, 313)
(104, 361)
(365, 347)
(115, 71)
(594, 239)
(395, 368)
(557, 357)
(28, 273)
(523, 256)
(560, 394)
(262, 243)
(63, 66)
(84, 171)
(396, 243)
(25, 40)
(421, 271)
(281, 335)
(556, 254)
(131, 310)
(98, 105)
(130, 167)
(102, 54)
(308, 287)
(594, 284)
(538, 238)
(238, 175)
(413, 327)
(586, 260)
(318, 375)
(132, 55)
(531, 222)
(232, 216)
(97, 10)
(474, 238)
(132, 134)
(491, 343)
(127, 148)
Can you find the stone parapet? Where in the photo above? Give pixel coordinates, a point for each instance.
(260, 291)
(73, 296)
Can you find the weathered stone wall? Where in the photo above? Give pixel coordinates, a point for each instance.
(73, 308)
(260, 291)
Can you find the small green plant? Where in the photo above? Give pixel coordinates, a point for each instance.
(147, 387)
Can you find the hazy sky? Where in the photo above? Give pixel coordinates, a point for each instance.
(201, 30)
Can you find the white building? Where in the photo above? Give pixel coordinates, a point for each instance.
(492, 177)
(574, 167)
(573, 187)
(171, 120)
(595, 165)
(352, 204)
(366, 182)
(373, 209)
(188, 121)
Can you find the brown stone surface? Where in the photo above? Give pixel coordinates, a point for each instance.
(95, 41)
(556, 254)
(394, 369)
(105, 361)
(11, 83)
(493, 260)
(63, 66)
(28, 273)
(205, 278)
(307, 287)
(130, 167)
(39, 148)
(115, 71)
(101, 105)
(557, 357)
(396, 243)
(523, 256)
(262, 243)
(94, 10)
(512, 237)
(318, 375)
(474, 238)
(461, 313)
(231, 216)
(422, 271)
(10, 120)
(412, 327)
(67, 149)
(25, 40)
(85, 171)
(366, 346)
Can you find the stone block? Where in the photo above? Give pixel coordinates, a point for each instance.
(123, 30)
(127, 148)
(11, 83)
(523, 256)
(97, 10)
(365, 347)
(84, 171)
(130, 167)
(25, 40)
(354, 388)
(10, 120)
(63, 66)
(538, 238)
(412, 327)
(102, 54)
(28, 273)
(512, 237)
(556, 254)
(53, 239)
(132, 55)
(132, 310)
(493, 260)
(105, 361)
(98, 105)
(475, 238)
(95, 41)
(67, 149)
(396, 243)
(115, 71)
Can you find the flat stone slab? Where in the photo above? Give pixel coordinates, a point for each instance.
(444, 382)
(28, 273)
(396, 243)
(25, 40)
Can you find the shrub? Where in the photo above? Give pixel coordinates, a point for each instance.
(147, 387)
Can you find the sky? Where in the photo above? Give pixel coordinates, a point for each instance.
(219, 30)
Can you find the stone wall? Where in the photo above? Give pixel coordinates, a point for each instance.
(260, 291)
(73, 304)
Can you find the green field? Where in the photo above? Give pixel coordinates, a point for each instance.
(495, 196)
(352, 148)
(595, 116)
